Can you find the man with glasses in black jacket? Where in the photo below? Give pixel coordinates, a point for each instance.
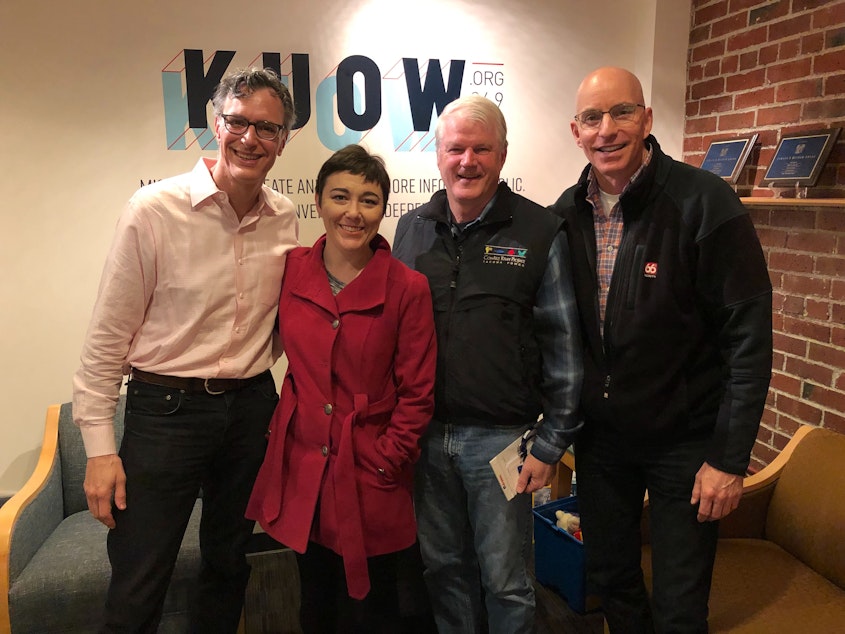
(676, 317)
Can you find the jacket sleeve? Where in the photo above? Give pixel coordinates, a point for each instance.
(414, 366)
(556, 324)
(738, 292)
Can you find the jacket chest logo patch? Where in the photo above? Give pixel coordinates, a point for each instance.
(513, 256)
(650, 269)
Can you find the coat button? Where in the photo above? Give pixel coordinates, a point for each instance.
(324, 450)
(327, 408)
(335, 324)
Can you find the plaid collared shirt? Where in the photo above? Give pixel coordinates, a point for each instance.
(608, 229)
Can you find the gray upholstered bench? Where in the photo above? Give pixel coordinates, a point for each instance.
(54, 570)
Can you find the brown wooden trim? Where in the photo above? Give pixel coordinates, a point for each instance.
(756, 201)
(12, 509)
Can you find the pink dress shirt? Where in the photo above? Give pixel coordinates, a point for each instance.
(187, 290)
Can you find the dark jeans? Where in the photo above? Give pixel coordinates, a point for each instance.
(175, 444)
(396, 604)
(613, 475)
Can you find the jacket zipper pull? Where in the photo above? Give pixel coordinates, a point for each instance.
(453, 284)
(607, 386)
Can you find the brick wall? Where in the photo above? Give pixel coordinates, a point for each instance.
(777, 67)
(805, 248)
(769, 67)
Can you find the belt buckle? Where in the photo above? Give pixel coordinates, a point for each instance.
(210, 391)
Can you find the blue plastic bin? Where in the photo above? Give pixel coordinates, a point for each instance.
(558, 556)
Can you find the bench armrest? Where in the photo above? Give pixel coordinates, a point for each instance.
(31, 515)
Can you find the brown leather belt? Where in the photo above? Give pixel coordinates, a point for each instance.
(191, 384)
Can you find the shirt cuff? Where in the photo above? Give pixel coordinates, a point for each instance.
(546, 452)
(98, 440)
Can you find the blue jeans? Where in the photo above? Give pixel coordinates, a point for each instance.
(613, 475)
(472, 539)
(176, 443)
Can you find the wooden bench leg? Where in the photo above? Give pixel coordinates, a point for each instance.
(562, 480)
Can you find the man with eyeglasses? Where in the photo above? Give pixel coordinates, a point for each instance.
(186, 307)
(675, 304)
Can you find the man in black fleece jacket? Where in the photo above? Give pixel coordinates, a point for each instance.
(675, 304)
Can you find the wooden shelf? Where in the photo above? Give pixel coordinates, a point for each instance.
(793, 202)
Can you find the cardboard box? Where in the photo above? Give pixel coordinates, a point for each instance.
(558, 556)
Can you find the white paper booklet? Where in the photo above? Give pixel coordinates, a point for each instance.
(508, 463)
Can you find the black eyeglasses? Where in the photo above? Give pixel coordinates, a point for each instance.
(266, 130)
(620, 113)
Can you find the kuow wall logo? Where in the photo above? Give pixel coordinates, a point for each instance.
(411, 94)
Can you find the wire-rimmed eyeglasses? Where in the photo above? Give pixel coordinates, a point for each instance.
(266, 130)
(620, 113)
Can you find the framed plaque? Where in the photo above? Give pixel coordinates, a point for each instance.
(799, 158)
(727, 158)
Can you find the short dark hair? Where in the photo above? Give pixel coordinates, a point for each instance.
(355, 160)
(245, 81)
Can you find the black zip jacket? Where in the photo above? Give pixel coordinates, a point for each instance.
(687, 346)
(483, 283)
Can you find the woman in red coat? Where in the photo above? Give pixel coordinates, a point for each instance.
(337, 481)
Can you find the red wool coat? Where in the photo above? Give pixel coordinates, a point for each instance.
(357, 396)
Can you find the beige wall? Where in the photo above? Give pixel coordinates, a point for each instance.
(84, 124)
